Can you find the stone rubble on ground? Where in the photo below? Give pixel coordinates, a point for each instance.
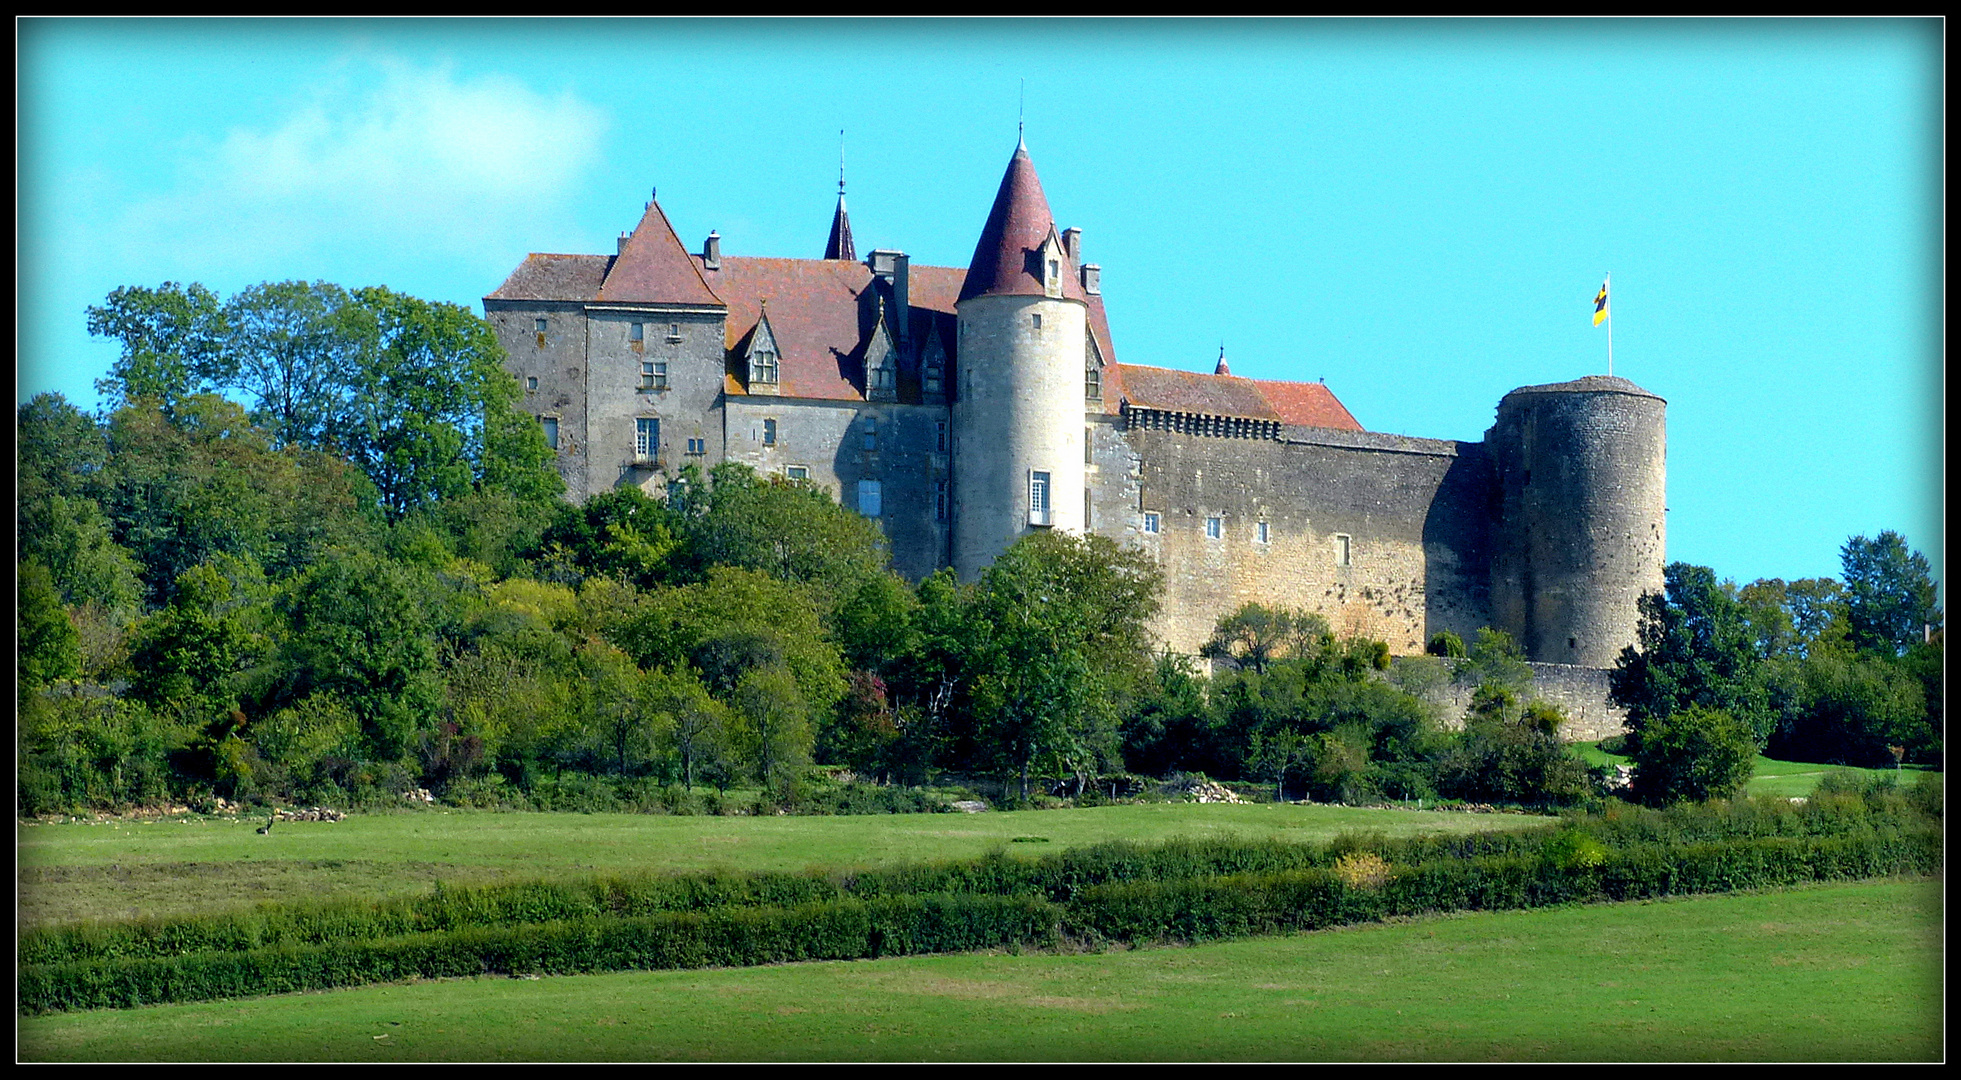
(970, 806)
(1208, 791)
(420, 795)
(317, 813)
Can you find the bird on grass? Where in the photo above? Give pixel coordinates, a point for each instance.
(266, 829)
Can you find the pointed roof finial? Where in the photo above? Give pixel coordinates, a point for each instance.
(1222, 369)
(839, 246)
(1021, 118)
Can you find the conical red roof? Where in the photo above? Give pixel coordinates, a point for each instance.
(1005, 261)
(655, 268)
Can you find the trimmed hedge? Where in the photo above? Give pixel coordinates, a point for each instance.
(734, 937)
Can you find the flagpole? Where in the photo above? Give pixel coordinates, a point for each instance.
(1610, 323)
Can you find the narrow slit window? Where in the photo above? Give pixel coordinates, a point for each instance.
(1341, 549)
(769, 432)
(1262, 532)
(1215, 528)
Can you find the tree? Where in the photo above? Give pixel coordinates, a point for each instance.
(1059, 639)
(697, 725)
(47, 648)
(1695, 647)
(1257, 635)
(174, 341)
(358, 632)
(1890, 597)
(1695, 753)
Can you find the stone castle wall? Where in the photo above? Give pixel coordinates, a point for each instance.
(1384, 536)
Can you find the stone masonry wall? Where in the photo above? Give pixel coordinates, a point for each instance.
(839, 443)
(1411, 515)
(1579, 692)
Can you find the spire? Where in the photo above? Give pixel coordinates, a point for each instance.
(840, 246)
(1007, 260)
(1222, 369)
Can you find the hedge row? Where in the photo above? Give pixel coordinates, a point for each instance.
(1057, 876)
(733, 937)
(1311, 899)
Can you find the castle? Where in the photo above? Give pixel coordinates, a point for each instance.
(962, 409)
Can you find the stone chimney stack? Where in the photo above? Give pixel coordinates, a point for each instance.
(1093, 279)
(624, 237)
(1072, 243)
(902, 299)
(711, 251)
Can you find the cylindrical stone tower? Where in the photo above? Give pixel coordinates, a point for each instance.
(1582, 530)
(1018, 404)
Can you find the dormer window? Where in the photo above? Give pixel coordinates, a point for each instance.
(763, 358)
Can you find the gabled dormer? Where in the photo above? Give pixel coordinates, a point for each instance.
(1054, 265)
(764, 358)
(881, 361)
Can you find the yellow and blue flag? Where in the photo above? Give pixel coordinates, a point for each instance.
(1600, 304)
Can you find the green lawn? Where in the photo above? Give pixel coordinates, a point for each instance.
(1842, 972)
(122, 869)
(1787, 778)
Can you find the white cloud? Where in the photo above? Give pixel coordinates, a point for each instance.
(391, 163)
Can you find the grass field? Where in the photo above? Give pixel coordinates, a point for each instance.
(1787, 778)
(1844, 972)
(122, 868)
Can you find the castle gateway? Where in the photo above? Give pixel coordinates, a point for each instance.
(962, 409)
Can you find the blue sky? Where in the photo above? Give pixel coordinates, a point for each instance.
(1418, 212)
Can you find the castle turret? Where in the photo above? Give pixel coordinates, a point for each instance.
(1582, 526)
(1018, 407)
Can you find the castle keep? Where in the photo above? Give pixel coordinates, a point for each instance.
(962, 409)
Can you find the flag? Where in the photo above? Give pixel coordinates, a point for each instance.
(1600, 304)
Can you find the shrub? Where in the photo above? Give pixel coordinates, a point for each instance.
(1362, 870)
(1696, 754)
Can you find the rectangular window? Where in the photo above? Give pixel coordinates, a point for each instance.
(797, 472)
(1038, 499)
(939, 500)
(869, 503)
(769, 432)
(1215, 528)
(550, 424)
(939, 435)
(1341, 549)
(1152, 524)
(1092, 383)
(1089, 521)
(539, 325)
(1038, 322)
(673, 331)
(698, 447)
(871, 432)
(636, 332)
(1089, 447)
(646, 438)
(933, 379)
(531, 382)
(1262, 532)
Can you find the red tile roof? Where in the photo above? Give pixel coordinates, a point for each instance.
(1005, 261)
(822, 317)
(1170, 390)
(655, 268)
(554, 277)
(1307, 404)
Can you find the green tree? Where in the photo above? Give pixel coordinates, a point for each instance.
(174, 344)
(358, 632)
(47, 648)
(1695, 647)
(776, 729)
(697, 726)
(1059, 640)
(1891, 602)
(293, 348)
(1257, 635)
(188, 654)
(1695, 753)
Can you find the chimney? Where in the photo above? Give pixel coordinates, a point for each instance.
(711, 251)
(882, 261)
(1072, 243)
(624, 237)
(902, 299)
(1093, 279)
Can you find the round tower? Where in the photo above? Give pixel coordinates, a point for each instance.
(1582, 529)
(1018, 404)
